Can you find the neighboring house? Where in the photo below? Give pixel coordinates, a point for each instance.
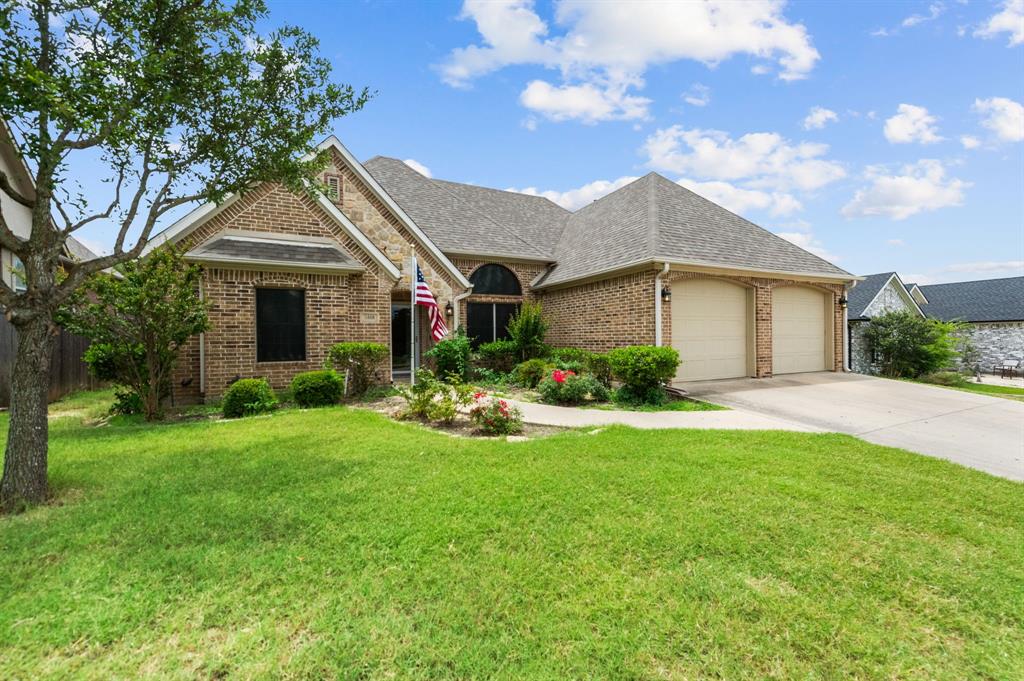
(993, 307)
(67, 370)
(875, 295)
(651, 263)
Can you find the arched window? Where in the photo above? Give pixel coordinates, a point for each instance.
(495, 280)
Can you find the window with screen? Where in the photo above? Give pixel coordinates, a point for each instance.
(280, 325)
(333, 183)
(495, 280)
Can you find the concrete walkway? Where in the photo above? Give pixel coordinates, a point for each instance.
(733, 419)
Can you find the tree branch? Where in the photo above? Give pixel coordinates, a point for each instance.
(18, 197)
(115, 202)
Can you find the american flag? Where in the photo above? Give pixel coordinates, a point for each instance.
(424, 297)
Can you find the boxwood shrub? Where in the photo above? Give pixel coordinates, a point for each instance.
(361, 360)
(248, 396)
(317, 388)
(643, 370)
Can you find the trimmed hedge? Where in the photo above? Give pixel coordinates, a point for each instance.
(529, 373)
(317, 388)
(643, 370)
(248, 396)
(499, 355)
(451, 355)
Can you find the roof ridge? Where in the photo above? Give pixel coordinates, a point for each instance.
(499, 191)
(970, 281)
(494, 222)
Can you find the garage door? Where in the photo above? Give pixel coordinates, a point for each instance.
(798, 330)
(709, 329)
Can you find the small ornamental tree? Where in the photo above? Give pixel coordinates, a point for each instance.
(527, 330)
(170, 102)
(910, 345)
(141, 319)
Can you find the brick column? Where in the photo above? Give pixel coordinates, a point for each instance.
(763, 331)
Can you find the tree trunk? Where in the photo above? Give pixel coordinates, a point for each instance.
(24, 479)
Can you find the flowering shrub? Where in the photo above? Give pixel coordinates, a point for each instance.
(495, 416)
(435, 400)
(568, 387)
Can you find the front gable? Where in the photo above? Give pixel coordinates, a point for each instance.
(893, 297)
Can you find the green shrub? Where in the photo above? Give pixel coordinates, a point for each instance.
(910, 346)
(577, 355)
(495, 416)
(360, 362)
(643, 370)
(126, 402)
(527, 329)
(248, 396)
(451, 356)
(485, 376)
(950, 378)
(529, 373)
(598, 366)
(566, 387)
(635, 397)
(499, 355)
(317, 388)
(434, 400)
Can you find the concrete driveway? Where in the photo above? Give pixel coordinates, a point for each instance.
(982, 432)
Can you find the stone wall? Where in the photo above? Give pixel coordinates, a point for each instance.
(998, 342)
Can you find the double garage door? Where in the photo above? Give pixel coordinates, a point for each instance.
(713, 329)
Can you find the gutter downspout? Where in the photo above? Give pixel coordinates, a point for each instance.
(202, 349)
(657, 304)
(455, 307)
(846, 330)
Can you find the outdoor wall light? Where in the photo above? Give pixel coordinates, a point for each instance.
(842, 302)
(448, 309)
(666, 293)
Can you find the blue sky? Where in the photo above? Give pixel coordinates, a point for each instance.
(886, 136)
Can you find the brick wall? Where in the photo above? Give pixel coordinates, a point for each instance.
(602, 315)
(338, 307)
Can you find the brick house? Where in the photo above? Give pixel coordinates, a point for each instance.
(651, 263)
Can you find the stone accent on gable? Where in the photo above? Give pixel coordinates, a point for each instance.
(386, 231)
(888, 299)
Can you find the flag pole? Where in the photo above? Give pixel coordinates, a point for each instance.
(412, 320)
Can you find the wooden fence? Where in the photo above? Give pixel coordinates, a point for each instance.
(67, 368)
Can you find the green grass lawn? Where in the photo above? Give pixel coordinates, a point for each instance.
(1007, 391)
(335, 543)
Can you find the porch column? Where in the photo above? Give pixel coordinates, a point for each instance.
(763, 330)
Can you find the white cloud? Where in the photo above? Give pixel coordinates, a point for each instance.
(740, 200)
(935, 10)
(911, 124)
(1009, 20)
(970, 141)
(606, 47)
(819, 117)
(922, 186)
(418, 167)
(1002, 116)
(588, 103)
(807, 241)
(697, 95)
(761, 159)
(895, 242)
(969, 271)
(530, 123)
(574, 199)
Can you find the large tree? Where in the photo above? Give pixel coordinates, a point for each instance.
(179, 101)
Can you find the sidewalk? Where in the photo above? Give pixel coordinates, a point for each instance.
(733, 419)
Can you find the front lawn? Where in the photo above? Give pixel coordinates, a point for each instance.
(990, 389)
(337, 543)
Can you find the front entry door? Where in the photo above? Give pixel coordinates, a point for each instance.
(401, 344)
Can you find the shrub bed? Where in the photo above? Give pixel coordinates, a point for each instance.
(361, 361)
(643, 371)
(568, 387)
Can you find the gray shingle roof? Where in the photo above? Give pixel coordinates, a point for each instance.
(860, 296)
(254, 249)
(989, 300)
(654, 218)
(459, 220)
(651, 219)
